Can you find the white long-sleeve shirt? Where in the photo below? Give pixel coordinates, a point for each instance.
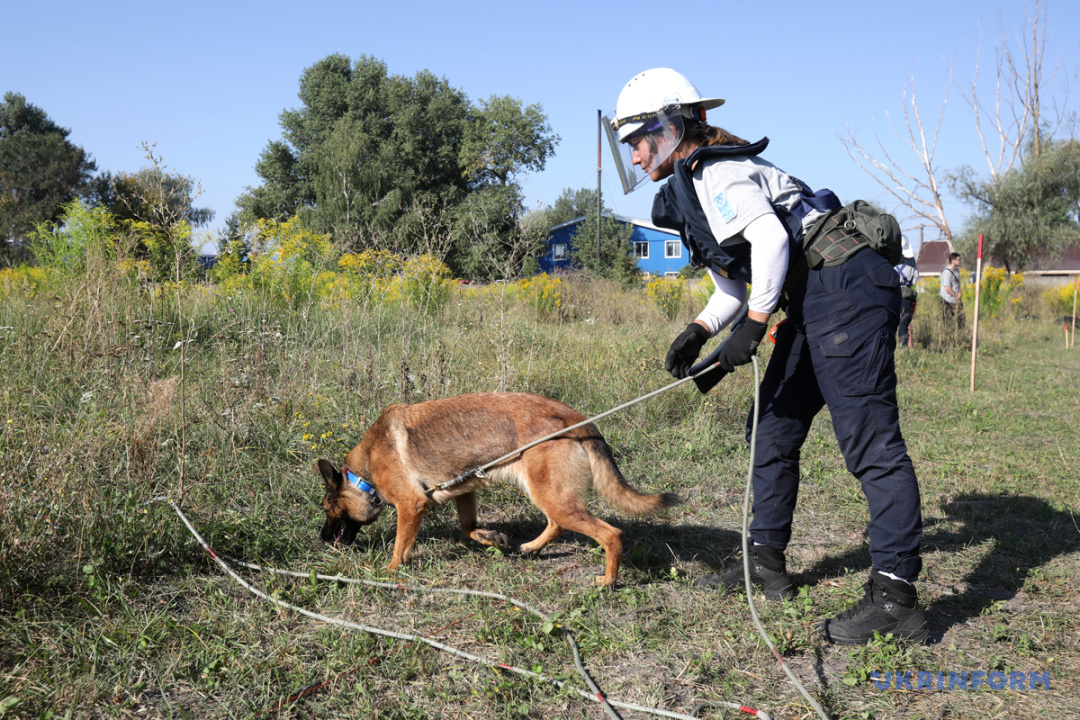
(738, 196)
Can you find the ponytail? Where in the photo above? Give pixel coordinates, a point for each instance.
(703, 134)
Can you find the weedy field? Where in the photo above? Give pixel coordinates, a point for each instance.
(114, 392)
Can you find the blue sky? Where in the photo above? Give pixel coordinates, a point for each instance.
(206, 81)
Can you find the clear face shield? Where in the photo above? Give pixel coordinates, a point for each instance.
(641, 143)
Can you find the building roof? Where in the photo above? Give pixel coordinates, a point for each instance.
(621, 218)
(1068, 261)
(933, 256)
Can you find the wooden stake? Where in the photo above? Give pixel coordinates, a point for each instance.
(1076, 284)
(975, 324)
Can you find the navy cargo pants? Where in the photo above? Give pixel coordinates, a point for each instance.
(837, 350)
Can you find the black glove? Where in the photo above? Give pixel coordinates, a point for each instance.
(685, 349)
(742, 345)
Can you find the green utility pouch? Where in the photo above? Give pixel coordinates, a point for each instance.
(836, 236)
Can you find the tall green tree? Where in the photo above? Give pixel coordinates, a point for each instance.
(1028, 212)
(372, 158)
(503, 139)
(151, 195)
(570, 204)
(363, 148)
(490, 240)
(40, 170)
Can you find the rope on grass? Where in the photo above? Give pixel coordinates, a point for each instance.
(746, 550)
(595, 696)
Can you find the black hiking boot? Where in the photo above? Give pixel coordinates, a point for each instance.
(768, 571)
(889, 606)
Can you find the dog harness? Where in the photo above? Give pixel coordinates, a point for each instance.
(363, 485)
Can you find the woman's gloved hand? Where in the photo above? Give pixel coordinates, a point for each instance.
(685, 349)
(742, 345)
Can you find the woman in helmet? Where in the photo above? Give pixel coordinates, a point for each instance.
(745, 220)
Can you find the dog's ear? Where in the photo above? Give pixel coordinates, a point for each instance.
(331, 476)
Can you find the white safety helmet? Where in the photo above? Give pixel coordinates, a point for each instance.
(652, 104)
(655, 92)
(905, 246)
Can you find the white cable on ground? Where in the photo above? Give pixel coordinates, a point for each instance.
(447, 591)
(597, 697)
(746, 549)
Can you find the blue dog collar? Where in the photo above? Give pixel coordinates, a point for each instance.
(362, 485)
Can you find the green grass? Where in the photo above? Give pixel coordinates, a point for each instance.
(109, 609)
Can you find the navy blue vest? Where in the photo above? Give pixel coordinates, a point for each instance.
(676, 207)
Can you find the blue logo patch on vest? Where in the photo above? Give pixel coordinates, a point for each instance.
(727, 213)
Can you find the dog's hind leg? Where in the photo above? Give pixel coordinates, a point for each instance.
(466, 509)
(568, 513)
(609, 537)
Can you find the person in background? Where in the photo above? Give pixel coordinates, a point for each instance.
(744, 219)
(952, 302)
(909, 275)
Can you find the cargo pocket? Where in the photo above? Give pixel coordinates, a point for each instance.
(884, 276)
(855, 364)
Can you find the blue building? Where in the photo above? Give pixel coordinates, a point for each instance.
(659, 252)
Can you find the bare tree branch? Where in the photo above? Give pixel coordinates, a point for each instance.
(919, 191)
(1017, 99)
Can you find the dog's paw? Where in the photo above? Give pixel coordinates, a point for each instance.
(492, 537)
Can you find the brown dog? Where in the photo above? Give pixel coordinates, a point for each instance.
(411, 451)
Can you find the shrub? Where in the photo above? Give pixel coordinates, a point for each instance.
(22, 277)
(230, 263)
(703, 290)
(426, 283)
(667, 295)
(1060, 298)
(542, 293)
(372, 263)
(290, 260)
(82, 233)
(996, 287)
(169, 250)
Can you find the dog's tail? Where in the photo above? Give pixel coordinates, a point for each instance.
(613, 487)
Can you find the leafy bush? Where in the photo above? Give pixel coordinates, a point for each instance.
(996, 288)
(288, 262)
(23, 278)
(426, 283)
(667, 295)
(1060, 298)
(372, 263)
(542, 293)
(170, 251)
(82, 233)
